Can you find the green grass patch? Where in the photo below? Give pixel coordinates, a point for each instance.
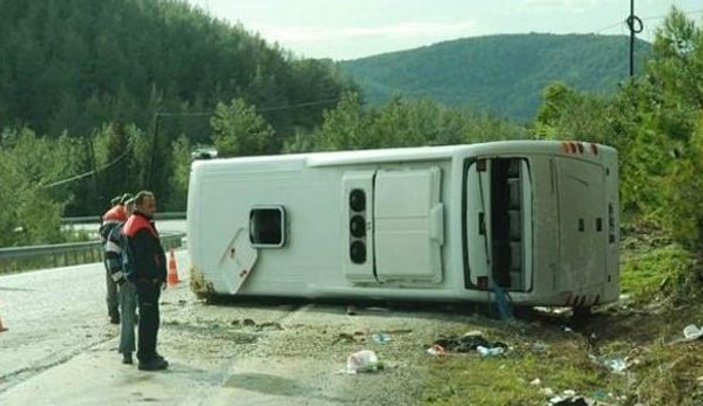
(656, 271)
(470, 379)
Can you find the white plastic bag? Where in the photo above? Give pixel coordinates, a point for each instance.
(363, 361)
(691, 332)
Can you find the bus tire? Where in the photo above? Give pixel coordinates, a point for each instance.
(583, 312)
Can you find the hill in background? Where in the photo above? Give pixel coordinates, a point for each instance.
(76, 64)
(504, 74)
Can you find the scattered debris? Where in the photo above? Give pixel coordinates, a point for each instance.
(601, 395)
(471, 341)
(691, 332)
(616, 364)
(381, 338)
(436, 349)
(363, 361)
(568, 401)
(351, 310)
(265, 326)
(536, 382)
(358, 336)
(490, 352)
(561, 312)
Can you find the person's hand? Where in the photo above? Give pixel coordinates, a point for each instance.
(119, 278)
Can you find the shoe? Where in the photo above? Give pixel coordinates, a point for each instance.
(161, 359)
(154, 364)
(127, 358)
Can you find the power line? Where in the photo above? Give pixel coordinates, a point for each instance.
(298, 105)
(648, 18)
(192, 114)
(129, 147)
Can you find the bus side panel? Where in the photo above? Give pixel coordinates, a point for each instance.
(612, 290)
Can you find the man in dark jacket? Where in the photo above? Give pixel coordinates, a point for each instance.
(147, 264)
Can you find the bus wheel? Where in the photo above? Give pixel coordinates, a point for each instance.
(523, 312)
(583, 312)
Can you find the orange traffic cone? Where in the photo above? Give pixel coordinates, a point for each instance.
(172, 278)
(2, 324)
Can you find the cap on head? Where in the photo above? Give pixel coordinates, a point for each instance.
(125, 197)
(130, 205)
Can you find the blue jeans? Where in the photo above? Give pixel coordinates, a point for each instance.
(128, 307)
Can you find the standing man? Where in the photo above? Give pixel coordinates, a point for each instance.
(146, 263)
(113, 217)
(127, 290)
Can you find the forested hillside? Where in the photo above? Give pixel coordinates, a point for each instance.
(503, 74)
(120, 81)
(75, 64)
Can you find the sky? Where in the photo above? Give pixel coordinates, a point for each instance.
(350, 29)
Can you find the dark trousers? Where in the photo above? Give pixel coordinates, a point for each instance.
(112, 296)
(148, 300)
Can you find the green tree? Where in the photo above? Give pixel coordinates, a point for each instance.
(345, 127)
(180, 157)
(239, 130)
(31, 191)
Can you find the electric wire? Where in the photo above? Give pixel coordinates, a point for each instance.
(123, 155)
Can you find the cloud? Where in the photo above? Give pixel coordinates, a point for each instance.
(298, 34)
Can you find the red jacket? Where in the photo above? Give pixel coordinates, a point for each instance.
(111, 218)
(116, 214)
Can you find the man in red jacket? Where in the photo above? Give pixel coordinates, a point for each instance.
(113, 217)
(147, 264)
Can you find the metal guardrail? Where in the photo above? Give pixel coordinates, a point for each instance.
(42, 256)
(174, 215)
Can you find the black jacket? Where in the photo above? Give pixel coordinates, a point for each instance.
(145, 251)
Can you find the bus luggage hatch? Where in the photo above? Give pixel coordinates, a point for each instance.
(237, 261)
(409, 225)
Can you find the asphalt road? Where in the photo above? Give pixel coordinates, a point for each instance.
(59, 348)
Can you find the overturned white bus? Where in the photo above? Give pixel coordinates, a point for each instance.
(536, 219)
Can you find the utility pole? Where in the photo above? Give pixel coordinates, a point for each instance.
(91, 156)
(154, 140)
(635, 25)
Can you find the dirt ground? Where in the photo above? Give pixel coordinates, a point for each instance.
(296, 353)
(60, 350)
